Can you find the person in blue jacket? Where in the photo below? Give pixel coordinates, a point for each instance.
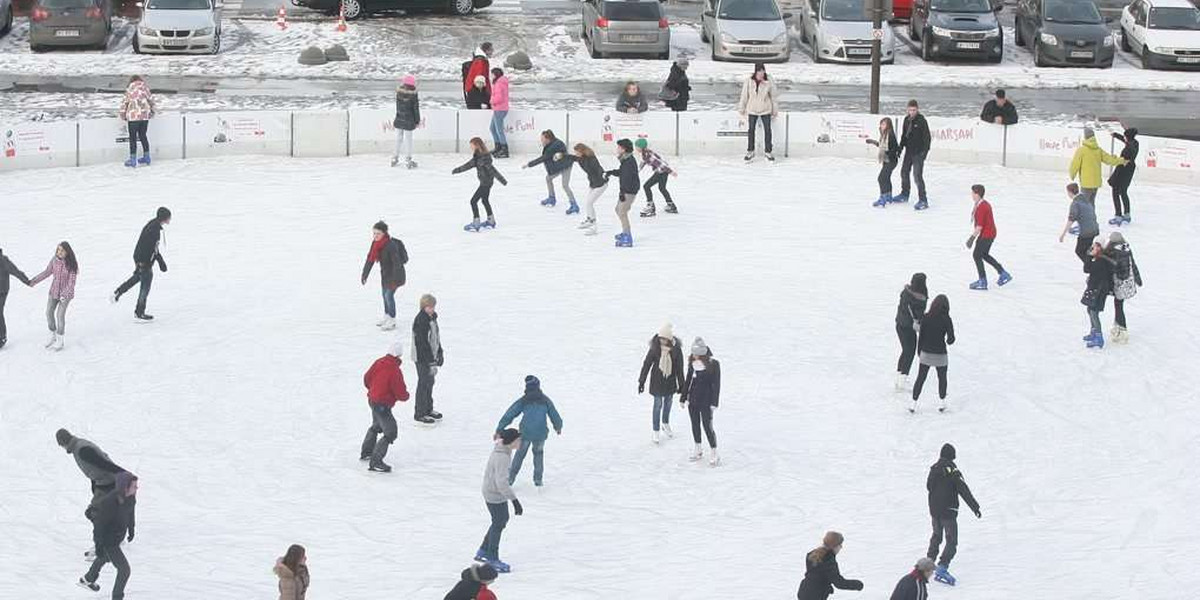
(533, 408)
(554, 158)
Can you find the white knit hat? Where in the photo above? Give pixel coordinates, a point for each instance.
(397, 348)
(666, 332)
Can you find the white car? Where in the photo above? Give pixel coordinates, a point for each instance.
(840, 31)
(1166, 33)
(746, 30)
(183, 26)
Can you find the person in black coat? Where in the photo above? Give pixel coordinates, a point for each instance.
(702, 394)
(112, 522)
(391, 255)
(585, 157)
(1122, 176)
(915, 140)
(999, 110)
(475, 579)
(481, 161)
(936, 333)
(945, 485)
(427, 350)
(1099, 285)
(554, 159)
(7, 269)
(914, 586)
(630, 184)
(145, 254)
(664, 367)
(408, 117)
(909, 312)
(678, 84)
(821, 573)
(889, 155)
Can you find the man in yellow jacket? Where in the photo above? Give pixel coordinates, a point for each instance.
(1086, 164)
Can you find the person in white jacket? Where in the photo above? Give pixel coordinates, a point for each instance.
(497, 493)
(758, 103)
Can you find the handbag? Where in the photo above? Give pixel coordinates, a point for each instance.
(1089, 298)
(667, 94)
(1124, 289)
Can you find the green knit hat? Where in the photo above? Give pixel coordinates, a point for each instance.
(641, 143)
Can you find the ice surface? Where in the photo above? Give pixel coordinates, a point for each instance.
(241, 407)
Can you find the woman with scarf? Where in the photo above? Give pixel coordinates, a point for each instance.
(664, 367)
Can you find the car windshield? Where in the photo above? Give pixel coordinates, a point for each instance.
(632, 11)
(1175, 18)
(962, 6)
(1073, 11)
(66, 3)
(178, 5)
(845, 10)
(749, 10)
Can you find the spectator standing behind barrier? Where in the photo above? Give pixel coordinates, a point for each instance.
(1083, 213)
(999, 110)
(915, 140)
(137, 108)
(1085, 165)
(408, 117)
(1122, 176)
(758, 103)
(499, 103)
(677, 90)
(477, 66)
(632, 100)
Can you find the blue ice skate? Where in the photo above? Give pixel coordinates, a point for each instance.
(1097, 341)
(882, 201)
(979, 285)
(473, 226)
(943, 575)
(1089, 336)
(551, 201)
(481, 555)
(921, 205)
(144, 160)
(1126, 219)
(900, 198)
(1004, 278)
(573, 209)
(132, 162)
(625, 240)
(1117, 220)
(499, 565)
(490, 223)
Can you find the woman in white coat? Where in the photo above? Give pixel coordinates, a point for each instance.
(758, 103)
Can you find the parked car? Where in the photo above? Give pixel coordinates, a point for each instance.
(355, 9)
(748, 30)
(186, 26)
(1166, 33)
(6, 16)
(69, 24)
(1064, 33)
(626, 27)
(840, 31)
(958, 28)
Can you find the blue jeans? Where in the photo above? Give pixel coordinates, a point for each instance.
(662, 406)
(498, 126)
(389, 301)
(491, 541)
(538, 460)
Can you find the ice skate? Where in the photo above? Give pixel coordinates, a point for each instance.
(551, 201)
(913, 409)
(1127, 219)
(881, 201)
(58, 343)
(943, 575)
(410, 164)
(980, 284)
(114, 298)
(770, 157)
(132, 162)
(53, 338)
(942, 406)
(425, 420)
(490, 223)
(473, 226)
(586, 223)
(591, 229)
(89, 555)
(1097, 341)
(625, 241)
(573, 209)
(901, 198)
(144, 160)
(921, 205)
(1117, 220)
(91, 585)
(749, 157)
(395, 160)
(666, 428)
(499, 565)
(649, 211)
(382, 321)
(143, 317)
(435, 415)
(388, 325)
(696, 454)
(481, 555)
(714, 459)
(901, 382)
(378, 466)
(1004, 278)
(672, 209)
(654, 437)
(1119, 335)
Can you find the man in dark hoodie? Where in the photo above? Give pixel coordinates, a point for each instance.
(145, 254)
(7, 269)
(1000, 110)
(915, 140)
(474, 584)
(95, 464)
(112, 522)
(946, 485)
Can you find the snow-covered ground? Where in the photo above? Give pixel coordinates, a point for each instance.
(241, 406)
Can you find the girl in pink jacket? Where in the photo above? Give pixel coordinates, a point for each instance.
(137, 108)
(499, 112)
(64, 267)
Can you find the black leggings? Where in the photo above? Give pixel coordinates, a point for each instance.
(481, 193)
(922, 373)
(908, 348)
(137, 131)
(702, 418)
(659, 179)
(885, 177)
(982, 254)
(1119, 306)
(1121, 196)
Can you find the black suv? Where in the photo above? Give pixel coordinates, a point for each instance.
(958, 28)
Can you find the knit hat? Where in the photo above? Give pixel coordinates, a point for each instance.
(948, 452)
(63, 437)
(925, 565)
(480, 80)
(396, 349)
(666, 332)
(409, 80)
(508, 435)
(1116, 238)
(532, 383)
(1088, 133)
(381, 226)
(625, 144)
(699, 348)
(484, 574)
(833, 539)
(163, 214)
(641, 143)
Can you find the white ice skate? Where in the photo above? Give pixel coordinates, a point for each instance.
(942, 405)
(58, 343)
(654, 437)
(714, 459)
(901, 382)
(53, 339)
(1119, 335)
(587, 223)
(666, 428)
(382, 322)
(913, 408)
(389, 325)
(395, 160)
(696, 454)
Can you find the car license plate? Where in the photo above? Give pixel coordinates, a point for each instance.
(860, 51)
(755, 50)
(968, 45)
(1080, 54)
(1189, 59)
(67, 33)
(174, 44)
(637, 38)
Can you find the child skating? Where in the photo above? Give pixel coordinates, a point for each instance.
(585, 157)
(534, 408)
(481, 161)
(628, 174)
(65, 268)
(661, 171)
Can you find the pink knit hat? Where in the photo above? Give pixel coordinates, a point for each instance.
(409, 80)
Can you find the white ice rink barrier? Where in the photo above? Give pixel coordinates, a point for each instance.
(227, 133)
(372, 131)
(107, 140)
(39, 145)
(320, 134)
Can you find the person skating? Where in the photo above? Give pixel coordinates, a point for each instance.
(479, 96)
(585, 157)
(473, 584)
(821, 572)
(937, 332)
(915, 141)
(145, 254)
(385, 386)
(427, 347)
(982, 238)
(481, 161)
(7, 269)
(661, 172)
(391, 255)
(909, 312)
(1085, 164)
(946, 485)
(64, 266)
(1083, 214)
(554, 159)
(678, 86)
(889, 156)
(478, 65)
(292, 571)
(499, 103)
(632, 100)
(534, 408)
(408, 118)
(1122, 176)
(497, 493)
(702, 394)
(113, 519)
(757, 103)
(914, 586)
(627, 174)
(1126, 280)
(999, 110)
(665, 369)
(137, 108)
(100, 470)
(1099, 285)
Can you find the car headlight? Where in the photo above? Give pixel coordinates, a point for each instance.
(941, 31)
(780, 39)
(728, 39)
(992, 33)
(147, 31)
(833, 40)
(204, 31)
(1049, 40)
(1108, 41)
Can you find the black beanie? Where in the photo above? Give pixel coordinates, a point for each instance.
(510, 434)
(948, 452)
(164, 213)
(63, 437)
(625, 145)
(381, 226)
(532, 383)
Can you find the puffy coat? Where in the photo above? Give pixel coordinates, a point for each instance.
(991, 110)
(484, 169)
(292, 586)
(1085, 165)
(138, 103)
(758, 98)
(937, 331)
(533, 408)
(470, 587)
(391, 256)
(821, 575)
(385, 382)
(703, 388)
(550, 152)
(914, 134)
(408, 109)
(1123, 174)
(677, 81)
(911, 307)
(662, 385)
(591, 166)
(479, 98)
(499, 98)
(945, 485)
(63, 285)
(6, 269)
(1100, 274)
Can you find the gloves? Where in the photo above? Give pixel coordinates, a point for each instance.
(517, 507)
(641, 388)
(162, 265)
(89, 512)
(978, 514)
(558, 431)
(855, 585)
(130, 537)
(971, 241)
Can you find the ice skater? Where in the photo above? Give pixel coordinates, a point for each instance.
(7, 269)
(473, 584)
(1083, 214)
(100, 470)
(64, 266)
(915, 140)
(137, 108)
(756, 104)
(585, 157)
(914, 586)
(145, 254)
(910, 310)
(665, 368)
(481, 161)
(1099, 285)
(1126, 280)
(937, 332)
(534, 408)
(945, 485)
(385, 387)
(661, 171)
(408, 118)
(1122, 176)
(1085, 164)
(889, 155)
(702, 394)
(982, 238)
(821, 573)
(292, 571)
(497, 493)
(627, 174)
(499, 103)
(427, 349)
(113, 519)
(554, 159)
(391, 255)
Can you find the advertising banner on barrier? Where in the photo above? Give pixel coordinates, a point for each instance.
(832, 134)
(107, 140)
(523, 128)
(1045, 147)
(215, 134)
(1165, 159)
(371, 131)
(721, 133)
(602, 129)
(36, 145)
(964, 141)
(320, 134)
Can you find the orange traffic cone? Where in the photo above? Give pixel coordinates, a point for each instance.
(281, 19)
(341, 26)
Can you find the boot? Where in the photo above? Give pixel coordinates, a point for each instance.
(58, 343)
(654, 437)
(395, 160)
(749, 157)
(1004, 278)
(942, 406)
(1097, 341)
(980, 284)
(901, 382)
(132, 162)
(696, 454)
(389, 325)
(91, 585)
(378, 466)
(671, 208)
(666, 427)
(382, 322)
(587, 223)
(145, 159)
(472, 226)
(573, 209)
(649, 211)
(714, 459)
(913, 409)
(490, 223)
(770, 157)
(410, 163)
(53, 339)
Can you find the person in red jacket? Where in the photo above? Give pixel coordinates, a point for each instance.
(478, 66)
(385, 386)
(982, 238)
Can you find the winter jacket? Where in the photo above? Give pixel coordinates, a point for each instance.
(1123, 174)
(937, 331)
(628, 173)
(470, 588)
(496, 489)
(391, 256)
(983, 218)
(385, 382)
(146, 250)
(499, 95)
(478, 66)
(703, 388)
(138, 103)
(63, 285)
(655, 161)
(7, 268)
(637, 103)
(591, 166)
(550, 152)
(408, 109)
(479, 98)
(758, 98)
(94, 463)
(911, 587)
(821, 575)
(1085, 165)
(677, 81)
(484, 169)
(1100, 274)
(292, 586)
(533, 408)
(427, 339)
(911, 307)
(113, 518)
(1084, 213)
(914, 135)
(663, 385)
(945, 485)
(1123, 264)
(889, 149)
(1007, 113)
